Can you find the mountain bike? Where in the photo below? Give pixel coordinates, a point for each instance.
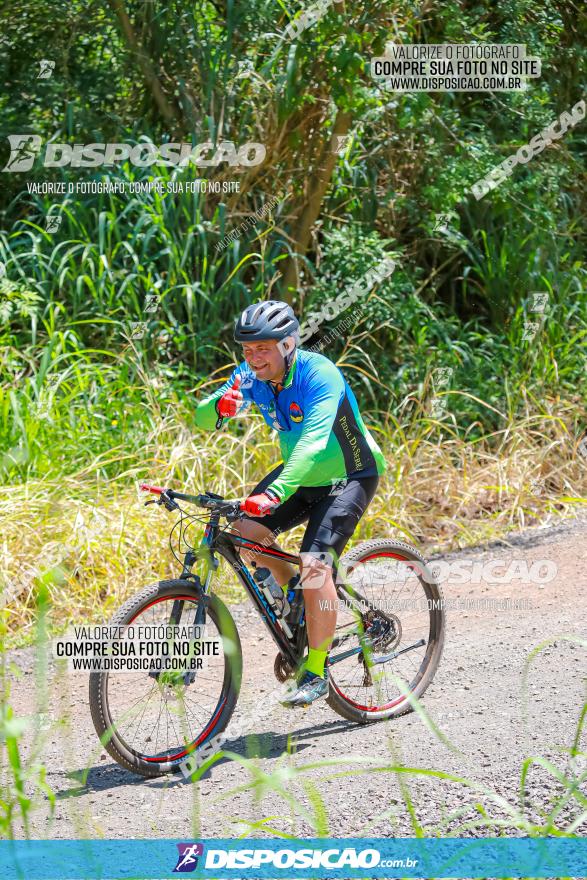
(387, 644)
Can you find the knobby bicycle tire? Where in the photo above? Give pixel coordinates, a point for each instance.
(98, 688)
(342, 704)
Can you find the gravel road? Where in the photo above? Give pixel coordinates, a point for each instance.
(476, 700)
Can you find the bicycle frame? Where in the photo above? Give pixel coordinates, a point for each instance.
(227, 545)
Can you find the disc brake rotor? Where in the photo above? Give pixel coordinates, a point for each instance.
(384, 631)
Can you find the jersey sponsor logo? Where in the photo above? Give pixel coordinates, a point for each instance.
(353, 442)
(295, 412)
(272, 415)
(247, 378)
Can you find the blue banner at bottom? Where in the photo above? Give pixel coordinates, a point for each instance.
(221, 859)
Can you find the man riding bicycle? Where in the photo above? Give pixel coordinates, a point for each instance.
(330, 470)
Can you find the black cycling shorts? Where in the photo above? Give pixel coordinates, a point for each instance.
(332, 512)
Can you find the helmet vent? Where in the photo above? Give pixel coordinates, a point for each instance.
(267, 320)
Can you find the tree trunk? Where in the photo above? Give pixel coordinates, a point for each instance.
(166, 109)
(310, 210)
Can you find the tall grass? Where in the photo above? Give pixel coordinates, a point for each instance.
(72, 298)
(113, 250)
(72, 518)
(23, 777)
(483, 812)
(300, 787)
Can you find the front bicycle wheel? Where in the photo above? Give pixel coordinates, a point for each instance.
(149, 724)
(391, 612)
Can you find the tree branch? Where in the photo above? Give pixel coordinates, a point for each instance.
(168, 112)
(317, 187)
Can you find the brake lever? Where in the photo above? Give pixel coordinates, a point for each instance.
(151, 501)
(168, 502)
(233, 517)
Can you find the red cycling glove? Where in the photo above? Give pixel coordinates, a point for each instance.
(261, 505)
(229, 403)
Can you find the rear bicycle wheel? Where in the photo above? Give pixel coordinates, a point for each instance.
(150, 725)
(392, 606)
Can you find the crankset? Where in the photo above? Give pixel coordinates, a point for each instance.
(282, 668)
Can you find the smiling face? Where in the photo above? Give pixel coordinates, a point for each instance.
(265, 359)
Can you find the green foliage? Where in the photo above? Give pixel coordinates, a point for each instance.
(458, 298)
(17, 302)
(85, 398)
(22, 774)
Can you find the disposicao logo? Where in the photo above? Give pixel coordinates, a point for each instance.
(25, 147)
(286, 859)
(295, 412)
(187, 861)
(23, 151)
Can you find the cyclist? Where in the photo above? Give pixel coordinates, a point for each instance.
(329, 474)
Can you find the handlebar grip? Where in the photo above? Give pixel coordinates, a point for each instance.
(219, 421)
(155, 490)
(195, 499)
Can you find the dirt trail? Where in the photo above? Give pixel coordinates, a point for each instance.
(476, 700)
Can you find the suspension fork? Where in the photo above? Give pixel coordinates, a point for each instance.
(186, 574)
(205, 552)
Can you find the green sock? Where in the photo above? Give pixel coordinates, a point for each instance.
(315, 661)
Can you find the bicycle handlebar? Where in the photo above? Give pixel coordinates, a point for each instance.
(208, 500)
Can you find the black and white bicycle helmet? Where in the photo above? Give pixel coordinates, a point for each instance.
(266, 320)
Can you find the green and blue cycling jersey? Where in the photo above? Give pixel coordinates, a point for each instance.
(322, 436)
